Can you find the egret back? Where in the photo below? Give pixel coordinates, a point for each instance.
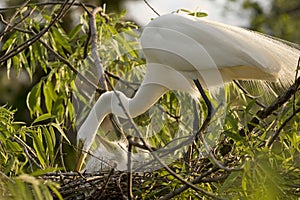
(239, 54)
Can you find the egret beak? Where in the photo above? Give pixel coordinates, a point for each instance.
(80, 161)
(81, 157)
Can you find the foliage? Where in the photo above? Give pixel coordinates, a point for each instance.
(61, 66)
(278, 17)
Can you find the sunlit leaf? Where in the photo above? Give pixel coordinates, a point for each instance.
(34, 99)
(60, 131)
(43, 117)
(39, 147)
(74, 32)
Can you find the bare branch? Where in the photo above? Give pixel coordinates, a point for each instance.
(32, 40)
(9, 27)
(276, 134)
(151, 8)
(94, 40)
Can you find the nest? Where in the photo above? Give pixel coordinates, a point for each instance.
(100, 185)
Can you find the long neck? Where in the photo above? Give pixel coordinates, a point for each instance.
(88, 129)
(146, 96)
(108, 102)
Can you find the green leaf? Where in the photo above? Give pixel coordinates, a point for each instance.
(38, 146)
(54, 189)
(62, 39)
(49, 94)
(43, 117)
(34, 100)
(231, 180)
(250, 105)
(49, 142)
(52, 134)
(74, 32)
(71, 110)
(58, 108)
(198, 14)
(61, 131)
(17, 64)
(234, 135)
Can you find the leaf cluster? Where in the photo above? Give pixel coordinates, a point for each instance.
(256, 158)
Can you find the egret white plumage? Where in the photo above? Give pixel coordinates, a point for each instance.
(181, 51)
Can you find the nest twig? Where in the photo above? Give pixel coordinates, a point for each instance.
(98, 185)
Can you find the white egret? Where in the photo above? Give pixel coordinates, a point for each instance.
(183, 51)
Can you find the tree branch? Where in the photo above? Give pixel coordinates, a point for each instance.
(278, 102)
(32, 40)
(94, 40)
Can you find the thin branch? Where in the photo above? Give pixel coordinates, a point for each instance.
(9, 27)
(151, 8)
(105, 184)
(127, 83)
(47, 4)
(2, 175)
(129, 173)
(14, 27)
(82, 77)
(248, 94)
(181, 179)
(278, 102)
(62, 153)
(185, 187)
(94, 41)
(32, 40)
(27, 150)
(276, 134)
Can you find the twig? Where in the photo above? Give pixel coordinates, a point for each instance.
(196, 123)
(14, 27)
(27, 150)
(278, 102)
(127, 83)
(94, 41)
(2, 175)
(32, 40)
(62, 153)
(47, 4)
(168, 113)
(82, 77)
(129, 173)
(105, 184)
(120, 186)
(151, 8)
(248, 94)
(185, 187)
(276, 134)
(194, 187)
(9, 27)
